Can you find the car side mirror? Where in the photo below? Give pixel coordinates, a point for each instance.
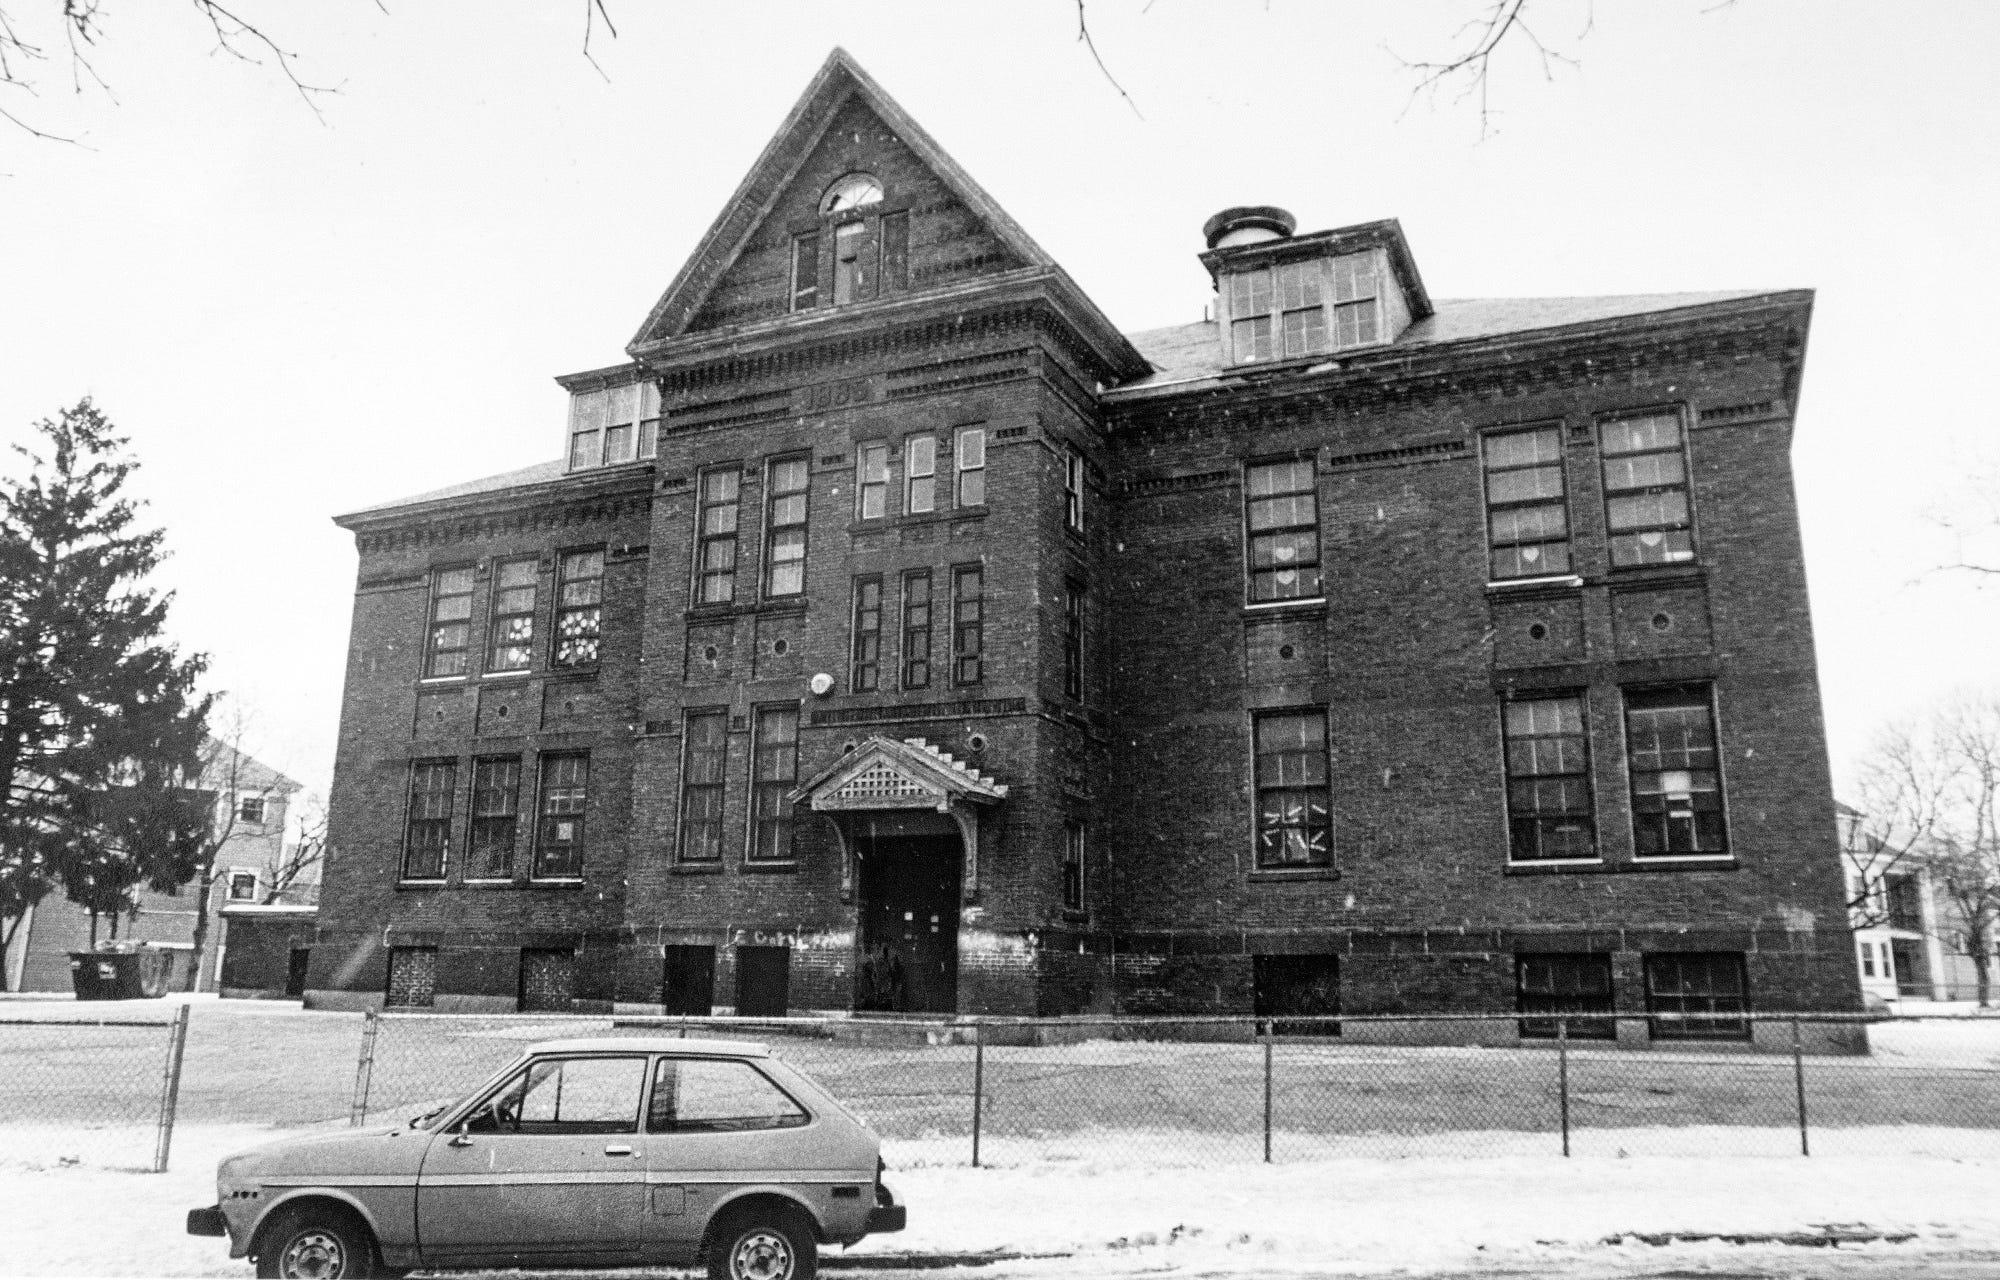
(461, 1138)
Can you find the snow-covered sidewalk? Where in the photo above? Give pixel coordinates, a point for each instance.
(1108, 1205)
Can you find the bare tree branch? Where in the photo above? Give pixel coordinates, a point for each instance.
(1503, 18)
(592, 10)
(1083, 34)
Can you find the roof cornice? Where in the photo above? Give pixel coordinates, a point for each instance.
(1512, 352)
(1049, 285)
(631, 479)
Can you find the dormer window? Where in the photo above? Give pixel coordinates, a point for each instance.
(1291, 309)
(857, 252)
(1287, 297)
(613, 425)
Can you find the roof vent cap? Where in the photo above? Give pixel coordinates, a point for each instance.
(1248, 224)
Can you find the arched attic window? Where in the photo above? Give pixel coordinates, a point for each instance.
(858, 251)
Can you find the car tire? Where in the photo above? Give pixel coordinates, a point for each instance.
(316, 1244)
(763, 1245)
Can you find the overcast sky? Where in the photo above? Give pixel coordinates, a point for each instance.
(293, 317)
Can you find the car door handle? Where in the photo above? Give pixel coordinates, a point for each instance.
(617, 1149)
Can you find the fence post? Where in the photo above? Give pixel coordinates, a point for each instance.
(170, 1089)
(978, 1087)
(1799, 1076)
(1562, 1076)
(364, 1069)
(1270, 1034)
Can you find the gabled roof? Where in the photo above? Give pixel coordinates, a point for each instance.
(839, 78)
(883, 773)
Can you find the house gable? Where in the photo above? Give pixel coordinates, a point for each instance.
(742, 272)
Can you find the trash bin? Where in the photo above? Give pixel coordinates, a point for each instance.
(106, 975)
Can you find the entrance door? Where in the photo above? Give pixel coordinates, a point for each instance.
(1911, 980)
(295, 972)
(909, 925)
(763, 982)
(688, 988)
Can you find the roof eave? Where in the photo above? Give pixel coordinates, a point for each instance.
(598, 482)
(1392, 357)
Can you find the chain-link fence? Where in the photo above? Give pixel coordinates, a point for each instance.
(1207, 1090)
(97, 1091)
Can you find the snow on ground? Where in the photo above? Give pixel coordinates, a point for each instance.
(1104, 1199)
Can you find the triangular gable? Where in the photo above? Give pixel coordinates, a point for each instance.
(883, 773)
(837, 93)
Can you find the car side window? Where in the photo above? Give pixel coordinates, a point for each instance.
(715, 1095)
(565, 1095)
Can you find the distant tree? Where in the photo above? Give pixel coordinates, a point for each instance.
(301, 858)
(100, 723)
(1932, 791)
(225, 776)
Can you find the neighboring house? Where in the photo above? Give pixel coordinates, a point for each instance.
(1909, 936)
(253, 803)
(892, 632)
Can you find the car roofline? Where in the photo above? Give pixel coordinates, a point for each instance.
(652, 1044)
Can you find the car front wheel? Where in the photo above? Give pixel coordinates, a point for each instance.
(316, 1245)
(764, 1246)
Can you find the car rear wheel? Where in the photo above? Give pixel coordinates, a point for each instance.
(316, 1244)
(763, 1246)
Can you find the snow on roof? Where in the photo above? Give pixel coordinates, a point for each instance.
(540, 473)
(1189, 351)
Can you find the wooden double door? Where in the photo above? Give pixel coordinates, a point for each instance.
(907, 959)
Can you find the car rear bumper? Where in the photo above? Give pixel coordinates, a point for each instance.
(887, 1215)
(207, 1222)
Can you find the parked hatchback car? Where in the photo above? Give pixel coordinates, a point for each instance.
(584, 1153)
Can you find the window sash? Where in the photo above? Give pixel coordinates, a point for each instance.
(774, 771)
(968, 626)
(427, 830)
(1073, 603)
(579, 609)
(496, 809)
(510, 642)
(1707, 989)
(805, 271)
(704, 775)
(971, 454)
(1290, 769)
(1073, 866)
(1073, 491)
(1281, 514)
(450, 634)
(1647, 508)
(1296, 309)
(559, 836)
(1527, 509)
(864, 671)
(1565, 986)
(785, 503)
(1550, 811)
(872, 482)
(920, 474)
(916, 654)
(715, 535)
(1675, 769)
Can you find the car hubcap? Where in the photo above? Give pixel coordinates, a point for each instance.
(315, 1255)
(761, 1255)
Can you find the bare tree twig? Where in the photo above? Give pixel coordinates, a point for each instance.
(593, 9)
(1083, 34)
(1502, 19)
(230, 29)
